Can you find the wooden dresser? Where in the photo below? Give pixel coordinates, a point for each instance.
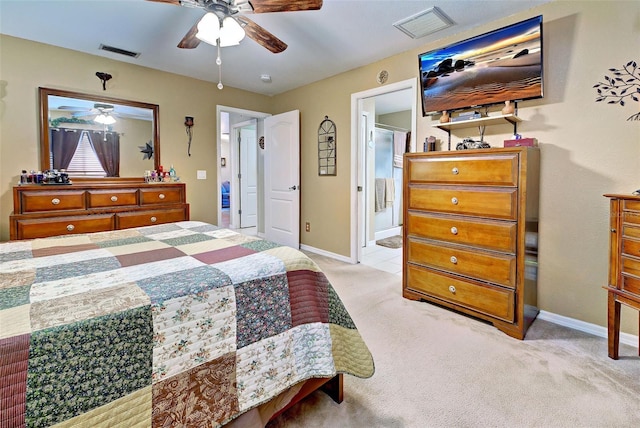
(41, 210)
(624, 263)
(471, 233)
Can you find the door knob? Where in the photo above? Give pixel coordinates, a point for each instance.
(293, 188)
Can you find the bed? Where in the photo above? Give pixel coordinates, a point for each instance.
(181, 324)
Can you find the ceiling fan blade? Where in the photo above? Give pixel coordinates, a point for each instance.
(176, 2)
(84, 113)
(266, 6)
(73, 108)
(260, 35)
(190, 41)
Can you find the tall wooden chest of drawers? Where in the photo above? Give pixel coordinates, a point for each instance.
(471, 233)
(49, 210)
(624, 263)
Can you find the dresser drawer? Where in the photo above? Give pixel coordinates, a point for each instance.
(632, 217)
(54, 226)
(495, 202)
(489, 169)
(471, 262)
(631, 285)
(631, 205)
(630, 266)
(631, 247)
(494, 301)
(45, 201)
(149, 218)
(112, 198)
(492, 235)
(161, 195)
(630, 231)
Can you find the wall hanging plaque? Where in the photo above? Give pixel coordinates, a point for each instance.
(327, 147)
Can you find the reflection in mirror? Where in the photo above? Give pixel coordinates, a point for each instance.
(92, 136)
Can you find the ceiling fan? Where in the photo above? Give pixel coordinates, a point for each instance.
(104, 113)
(236, 10)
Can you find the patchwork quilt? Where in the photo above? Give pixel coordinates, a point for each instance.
(181, 324)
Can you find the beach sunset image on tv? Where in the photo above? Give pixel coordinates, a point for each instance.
(501, 65)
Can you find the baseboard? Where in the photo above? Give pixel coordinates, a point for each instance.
(388, 233)
(326, 253)
(596, 330)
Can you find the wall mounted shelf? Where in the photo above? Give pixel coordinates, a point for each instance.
(483, 121)
(480, 123)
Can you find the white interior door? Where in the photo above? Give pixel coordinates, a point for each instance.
(282, 178)
(248, 178)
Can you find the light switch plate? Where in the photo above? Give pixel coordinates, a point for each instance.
(202, 174)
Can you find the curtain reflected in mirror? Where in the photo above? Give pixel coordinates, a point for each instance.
(84, 153)
(92, 136)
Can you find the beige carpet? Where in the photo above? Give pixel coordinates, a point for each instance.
(436, 368)
(391, 242)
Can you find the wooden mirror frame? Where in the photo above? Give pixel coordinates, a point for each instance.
(45, 144)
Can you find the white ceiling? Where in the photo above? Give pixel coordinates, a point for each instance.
(342, 35)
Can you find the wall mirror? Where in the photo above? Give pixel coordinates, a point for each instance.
(97, 137)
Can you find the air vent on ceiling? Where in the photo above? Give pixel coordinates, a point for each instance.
(119, 51)
(423, 23)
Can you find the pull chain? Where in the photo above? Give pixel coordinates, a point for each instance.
(219, 62)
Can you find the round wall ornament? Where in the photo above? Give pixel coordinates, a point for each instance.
(383, 75)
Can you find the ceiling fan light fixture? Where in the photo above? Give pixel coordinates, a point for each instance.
(105, 119)
(231, 33)
(209, 28)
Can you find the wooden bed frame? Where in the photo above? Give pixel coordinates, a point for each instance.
(332, 386)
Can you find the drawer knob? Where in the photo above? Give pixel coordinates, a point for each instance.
(454, 171)
(161, 195)
(454, 260)
(454, 201)
(55, 201)
(114, 199)
(454, 230)
(70, 227)
(153, 219)
(452, 289)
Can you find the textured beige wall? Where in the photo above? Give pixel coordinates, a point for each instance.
(587, 148)
(25, 66)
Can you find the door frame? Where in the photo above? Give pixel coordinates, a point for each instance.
(357, 198)
(233, 157)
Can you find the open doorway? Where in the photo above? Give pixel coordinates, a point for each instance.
(367, 108)
(240, 169)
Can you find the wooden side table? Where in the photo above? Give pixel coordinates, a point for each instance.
(624, 263)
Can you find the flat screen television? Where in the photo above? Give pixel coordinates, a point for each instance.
(501, 65)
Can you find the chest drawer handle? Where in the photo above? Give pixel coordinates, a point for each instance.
(454, 171)
(161, 195)
(454, 260)
(454, 201)
(114, 199)
(454, 230)
(153, 219)
(55, 201)
(452, 289)
(70, 227)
